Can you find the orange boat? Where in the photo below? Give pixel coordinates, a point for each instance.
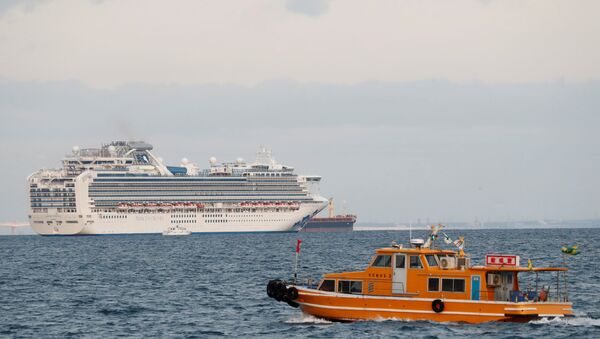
(423, 282)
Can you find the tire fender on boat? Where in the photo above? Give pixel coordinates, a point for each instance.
(437, 306)
(279, 291)
(270, 288)
(292, 293)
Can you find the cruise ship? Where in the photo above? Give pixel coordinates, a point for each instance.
(123, 188)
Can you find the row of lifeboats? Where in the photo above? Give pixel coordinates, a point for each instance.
(193, 205)
(163, 205)
(270, 204)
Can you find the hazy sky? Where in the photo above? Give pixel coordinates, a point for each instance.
(110, 43)
(447, 110)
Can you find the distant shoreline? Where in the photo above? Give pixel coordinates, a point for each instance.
(520, 224)
(485, 228)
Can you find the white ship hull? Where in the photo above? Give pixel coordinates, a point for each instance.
(193, 220)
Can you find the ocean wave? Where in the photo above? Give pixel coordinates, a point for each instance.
(575, 321)
(382, 319)
(307, 319)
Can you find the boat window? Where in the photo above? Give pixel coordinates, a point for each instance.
(327, 285)
(400, 259)
(343, 286)
(382, 261)
(433, 285)
(415, 262)
(453, 285)
(431, 260)
(349, 286)
(508, 277)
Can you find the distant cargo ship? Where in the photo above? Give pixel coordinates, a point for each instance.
(333, 223)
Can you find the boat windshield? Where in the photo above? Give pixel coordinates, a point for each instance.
(327, 285)
(431, 260)
(415, 262)
(382, 260)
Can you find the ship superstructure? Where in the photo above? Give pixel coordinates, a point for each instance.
(123, 188)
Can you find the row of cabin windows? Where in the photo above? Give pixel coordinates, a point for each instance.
(183, 215)
(344, 286)
(385, 260)
(113, 216)
(448, 285)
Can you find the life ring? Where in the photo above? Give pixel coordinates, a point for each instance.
(292, 293)
(437, 306)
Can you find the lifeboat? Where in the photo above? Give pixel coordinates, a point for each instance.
(423, 282)
(200, 206)
(123, 205)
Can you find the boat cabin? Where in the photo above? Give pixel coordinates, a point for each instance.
(436, 273)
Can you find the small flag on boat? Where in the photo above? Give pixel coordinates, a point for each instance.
(298, 246)
(571, 250)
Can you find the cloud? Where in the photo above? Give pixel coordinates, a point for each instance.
(308, 7)
(6, 5)
(247, 42)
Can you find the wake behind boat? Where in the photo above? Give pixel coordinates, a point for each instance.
(423, 282)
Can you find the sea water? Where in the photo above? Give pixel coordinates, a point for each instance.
(207, 285)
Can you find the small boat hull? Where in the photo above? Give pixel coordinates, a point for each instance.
(352, 307)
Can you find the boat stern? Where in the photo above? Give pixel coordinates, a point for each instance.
(527, 311)
(282, 290)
